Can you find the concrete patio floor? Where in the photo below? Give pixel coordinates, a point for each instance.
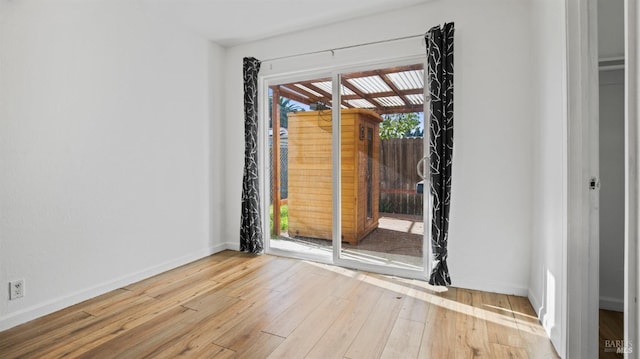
(397, 242)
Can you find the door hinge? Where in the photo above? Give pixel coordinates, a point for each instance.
(594, 183)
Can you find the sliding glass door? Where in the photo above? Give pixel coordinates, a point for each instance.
(346, 162)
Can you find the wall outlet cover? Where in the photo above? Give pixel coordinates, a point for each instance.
(16, 289)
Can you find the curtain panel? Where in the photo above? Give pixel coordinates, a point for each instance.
(439, 42)
(251, 237)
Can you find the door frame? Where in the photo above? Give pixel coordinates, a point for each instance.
(581, 247)
(632, 175)
(264, 165)
(582, 295)
(264, 81)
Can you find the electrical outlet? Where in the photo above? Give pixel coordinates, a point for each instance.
(16, 289)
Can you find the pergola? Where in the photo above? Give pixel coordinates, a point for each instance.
(385, 91)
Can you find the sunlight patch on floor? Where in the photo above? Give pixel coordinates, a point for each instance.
(429, 294)
(370, 257)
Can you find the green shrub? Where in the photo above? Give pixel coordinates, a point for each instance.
(284, 218)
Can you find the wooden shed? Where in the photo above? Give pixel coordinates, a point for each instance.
(310, 182)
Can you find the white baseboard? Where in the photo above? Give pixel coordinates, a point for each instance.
(489, 286)
(541, 313)
(234, 246)
(610, 303)
(467, 283)
(50, 306)
(535, 303)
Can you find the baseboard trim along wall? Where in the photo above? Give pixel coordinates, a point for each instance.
(545, 317)
(234, 246)
(614, 304)
(489, 286)
(36, 311)
(467, 283)
(535, 303)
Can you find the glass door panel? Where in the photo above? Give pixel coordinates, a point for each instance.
(300, 146)
(381, 143)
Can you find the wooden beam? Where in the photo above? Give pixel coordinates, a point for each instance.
(315, 88)
(275, 151)
(362, 95)
(389, 70)
(326, 97)
(312, 98)
(399, 109)
(324, 93)
(393, 87)
(285, 92)
(385, 94)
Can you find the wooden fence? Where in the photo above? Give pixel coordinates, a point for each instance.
(398, 175)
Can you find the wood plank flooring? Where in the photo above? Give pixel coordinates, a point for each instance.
(235, 305)
(611, 333)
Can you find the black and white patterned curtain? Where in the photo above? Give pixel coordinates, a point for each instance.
(251, 224)
(440, 83)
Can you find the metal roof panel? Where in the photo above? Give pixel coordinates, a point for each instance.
(327, 86)
(315, 93)
(360, 103)
(416, 99)
(407, 80)
(370, 84)
(391, 101)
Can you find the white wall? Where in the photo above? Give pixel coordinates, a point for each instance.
(612, 190)
(491, 211)
(217, 153)
(611, 45)
(610, 28)
(106, 173)
(549, 132)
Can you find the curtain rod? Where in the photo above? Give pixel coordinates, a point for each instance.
(332, 51)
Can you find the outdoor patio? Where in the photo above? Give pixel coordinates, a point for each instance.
(396, 241)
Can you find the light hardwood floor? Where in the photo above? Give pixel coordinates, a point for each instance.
(234, 305)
